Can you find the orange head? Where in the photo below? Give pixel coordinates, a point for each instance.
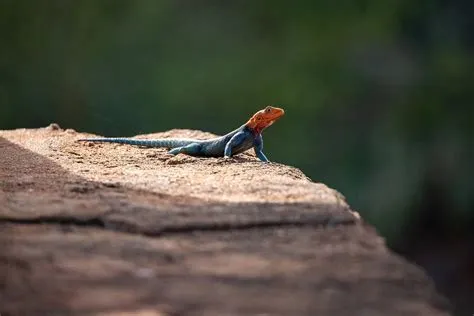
(264, 118)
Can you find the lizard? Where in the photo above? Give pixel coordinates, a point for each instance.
(235, 142)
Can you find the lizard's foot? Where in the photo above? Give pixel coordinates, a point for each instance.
(230, 159)
(175, 151)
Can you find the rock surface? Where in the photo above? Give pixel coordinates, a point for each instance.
(106, 229)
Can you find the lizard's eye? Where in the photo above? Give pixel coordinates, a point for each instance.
(268, 109)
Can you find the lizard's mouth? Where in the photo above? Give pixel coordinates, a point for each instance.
(266, 123)
(275, 116)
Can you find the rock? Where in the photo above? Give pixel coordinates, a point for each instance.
(110, 229)
(53, 127)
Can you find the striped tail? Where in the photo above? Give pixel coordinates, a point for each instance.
(169, 143)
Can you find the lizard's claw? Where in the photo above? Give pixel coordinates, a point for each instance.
(229, 159)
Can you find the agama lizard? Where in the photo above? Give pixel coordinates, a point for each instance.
(243, 138)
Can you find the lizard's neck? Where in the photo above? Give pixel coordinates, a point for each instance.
(257, 128)
(253, 128)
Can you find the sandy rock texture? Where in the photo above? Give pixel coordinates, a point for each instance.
(109, 229)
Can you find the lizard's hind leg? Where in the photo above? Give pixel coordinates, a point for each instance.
(191, 149)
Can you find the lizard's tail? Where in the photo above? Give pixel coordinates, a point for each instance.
(169, 143)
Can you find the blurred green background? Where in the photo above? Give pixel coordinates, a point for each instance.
(378, 94)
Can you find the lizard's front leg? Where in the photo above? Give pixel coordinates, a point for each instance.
(236, 140)
(258, 147)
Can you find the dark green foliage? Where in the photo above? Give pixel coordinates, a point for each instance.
(379, 94)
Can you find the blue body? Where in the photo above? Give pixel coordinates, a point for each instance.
(230, 144)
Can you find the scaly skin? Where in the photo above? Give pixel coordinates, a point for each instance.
(243, 138)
